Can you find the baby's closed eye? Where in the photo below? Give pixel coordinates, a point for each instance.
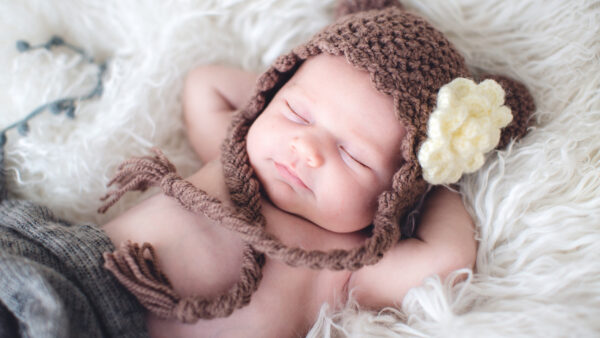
(351, 159)
(294, 116)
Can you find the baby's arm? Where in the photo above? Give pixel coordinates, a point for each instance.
(210, 95)
(445, 242)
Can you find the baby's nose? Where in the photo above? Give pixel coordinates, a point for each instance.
(307, 150)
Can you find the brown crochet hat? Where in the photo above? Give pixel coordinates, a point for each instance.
(407, 59)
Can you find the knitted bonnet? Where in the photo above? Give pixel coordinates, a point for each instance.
(410, 61)
(450, 123)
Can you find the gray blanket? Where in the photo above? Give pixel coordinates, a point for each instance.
(52, 283)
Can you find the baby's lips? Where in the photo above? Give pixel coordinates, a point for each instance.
(290, 175)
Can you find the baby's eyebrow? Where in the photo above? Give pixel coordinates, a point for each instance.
(302, 92)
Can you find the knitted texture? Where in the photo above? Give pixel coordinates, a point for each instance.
(408, 60)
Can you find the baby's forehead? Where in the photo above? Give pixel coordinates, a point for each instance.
(328, 65)
(326, 77)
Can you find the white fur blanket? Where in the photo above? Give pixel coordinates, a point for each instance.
(536, 205)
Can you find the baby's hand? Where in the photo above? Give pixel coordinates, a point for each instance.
(445, 242)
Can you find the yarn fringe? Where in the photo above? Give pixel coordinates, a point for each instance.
(138, 174)
(135, 267)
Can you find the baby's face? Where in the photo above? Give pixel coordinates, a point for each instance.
(327, 145)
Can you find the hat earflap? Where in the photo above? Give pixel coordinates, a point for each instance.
(467, 123)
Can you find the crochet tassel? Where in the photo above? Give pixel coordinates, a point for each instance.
(137, 270)
(135, 267)
(138, 174)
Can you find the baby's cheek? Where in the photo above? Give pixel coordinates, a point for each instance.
(258, 136)
(353, 210)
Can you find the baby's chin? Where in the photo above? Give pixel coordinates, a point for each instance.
(285, 199)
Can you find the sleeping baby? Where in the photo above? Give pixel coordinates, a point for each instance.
(314, 182)
(323, 149)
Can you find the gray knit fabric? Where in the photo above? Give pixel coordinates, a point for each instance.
(52, 283)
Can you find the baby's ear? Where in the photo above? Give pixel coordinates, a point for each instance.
(521, 104)
(345, 7)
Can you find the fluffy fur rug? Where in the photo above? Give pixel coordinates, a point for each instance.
(536, 205)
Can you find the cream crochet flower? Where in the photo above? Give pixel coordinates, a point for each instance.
(464, 126)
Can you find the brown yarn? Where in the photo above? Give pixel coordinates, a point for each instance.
(137, 174)
(407, 59)
(135, 267)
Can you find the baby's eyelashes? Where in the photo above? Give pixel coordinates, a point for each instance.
(350, 159)
(294, 116)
